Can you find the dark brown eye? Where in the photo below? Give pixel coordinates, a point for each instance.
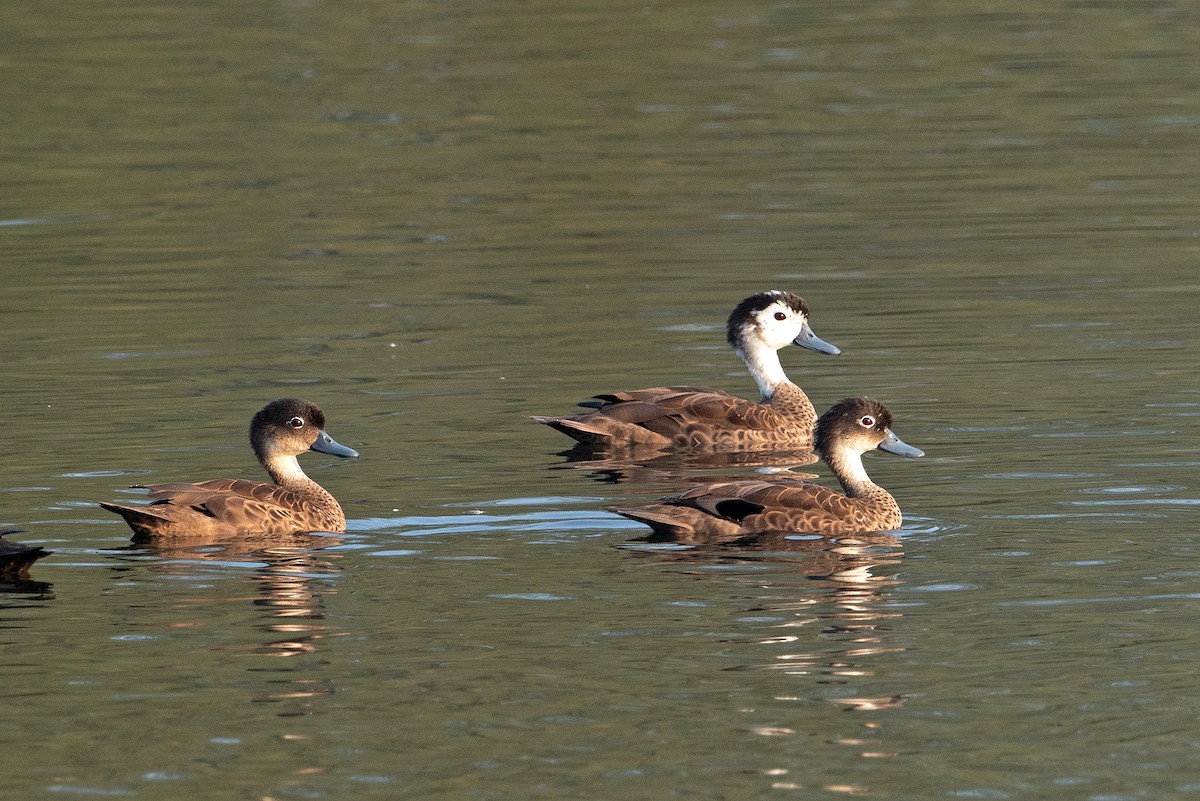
(866, 421)
(780, 316)
(296, 422)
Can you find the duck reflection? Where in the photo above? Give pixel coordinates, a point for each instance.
(838, 586)
(657, 468)
(292, 576)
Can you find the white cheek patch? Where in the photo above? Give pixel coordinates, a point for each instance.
(778, 333)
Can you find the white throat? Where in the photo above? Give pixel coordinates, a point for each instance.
(848, 466)
(765, 368)
(286, 470)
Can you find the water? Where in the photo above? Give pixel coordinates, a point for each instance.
(438, 219)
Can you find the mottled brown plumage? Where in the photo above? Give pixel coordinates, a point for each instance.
(731, 510)
(16, 558)
(688, 418)
(224, 507)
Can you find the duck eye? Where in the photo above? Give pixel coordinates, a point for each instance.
(780, 316)
(866, 421)
(296, 422)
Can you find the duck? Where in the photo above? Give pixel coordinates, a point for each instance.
(699, 419)
(225, 507)
(16, 558)
(738, 510)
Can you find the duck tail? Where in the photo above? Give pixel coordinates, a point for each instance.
(664, 520)
(16, 558)
(579, 430)
(140, 518)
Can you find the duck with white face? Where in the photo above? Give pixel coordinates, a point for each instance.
(730, 511)
(700, 419)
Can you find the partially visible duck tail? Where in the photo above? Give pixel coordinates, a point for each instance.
(142, 519)
(16, 558)
(668, 522)
(574, 428)
(601, 432)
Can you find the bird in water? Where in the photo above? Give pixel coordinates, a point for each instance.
(294, 503)
(684, 418)
(730, 511)
(16, 558)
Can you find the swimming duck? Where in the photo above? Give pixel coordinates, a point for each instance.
(699, 418)
(16, 558)
(732, 510)
(224, 507)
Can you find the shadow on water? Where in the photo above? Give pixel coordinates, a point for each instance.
(32, 589)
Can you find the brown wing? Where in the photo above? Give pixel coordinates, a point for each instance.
(220, 508)
(692, 413)
(782, 505)
(204, 491)
(729, 511)
(678, 416)
(248, 505)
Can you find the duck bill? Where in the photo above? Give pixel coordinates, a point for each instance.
(808, 339)
(327, 444)
(893, 444)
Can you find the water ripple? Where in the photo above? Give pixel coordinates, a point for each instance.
(76, 219)
(425, 526)
(1140, 502)
(73, 789)
(1115, 599)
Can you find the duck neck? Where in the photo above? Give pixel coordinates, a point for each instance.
(285, 471)
(765, 368)
(847, 466)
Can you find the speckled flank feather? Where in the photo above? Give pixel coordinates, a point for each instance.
(687, 418)
(733, 510)
(693, 418)
(229, 507)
